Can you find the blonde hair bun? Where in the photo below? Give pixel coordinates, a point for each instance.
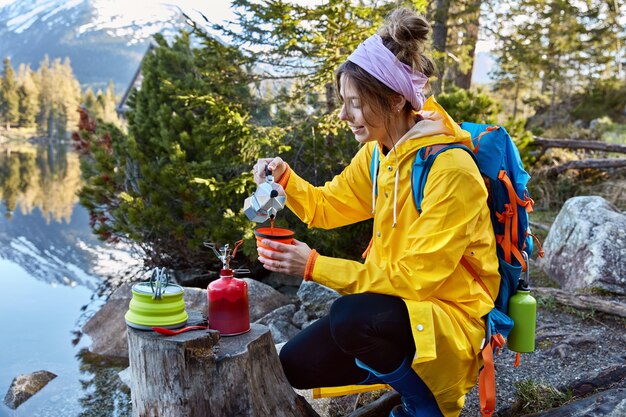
(406, 34)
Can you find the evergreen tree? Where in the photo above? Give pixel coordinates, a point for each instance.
(110, 104)
(9, 98)
(28, 96)
(181, 175)
(59, 97)
(92, 104)
(463, 27)
(556, 48)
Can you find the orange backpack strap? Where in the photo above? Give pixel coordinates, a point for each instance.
(487, 376)
(487, 383)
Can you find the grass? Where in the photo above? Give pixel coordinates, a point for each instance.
(614, 133)
(532, 397)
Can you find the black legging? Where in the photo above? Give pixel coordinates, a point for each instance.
(373, 328)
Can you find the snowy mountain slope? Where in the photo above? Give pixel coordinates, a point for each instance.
(104, 39)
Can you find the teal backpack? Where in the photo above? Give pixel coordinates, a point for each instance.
(499, 162)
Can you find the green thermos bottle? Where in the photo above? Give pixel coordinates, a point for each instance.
(523, 311)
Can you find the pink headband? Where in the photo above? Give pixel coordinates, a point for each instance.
(382, 64)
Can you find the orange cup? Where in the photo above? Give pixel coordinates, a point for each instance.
(277, 234)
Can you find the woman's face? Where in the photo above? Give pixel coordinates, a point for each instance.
(365, 125)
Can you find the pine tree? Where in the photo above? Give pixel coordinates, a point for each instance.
(180, 176)
(91, 104)
(464, 24)
(45, 82)
(110, 104)
(59, 97)
(9, 98)
(28, 96)
(556, 49)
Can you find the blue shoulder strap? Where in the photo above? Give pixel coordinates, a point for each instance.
(421, 169)
(419, 172)
(374, 167)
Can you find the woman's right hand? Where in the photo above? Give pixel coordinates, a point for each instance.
(276, 165)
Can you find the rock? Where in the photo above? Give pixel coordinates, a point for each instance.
(107, 327)
(279, 323)
(125, 376)
(25, 386)
(316, 299)
(263, 299)
(301, 318)
(320, 405)
(586, 246)
(194, 277)
(278, 280)
(594, 123)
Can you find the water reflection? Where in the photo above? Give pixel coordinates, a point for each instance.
(44, 177)
(50, 268)
(105, 395)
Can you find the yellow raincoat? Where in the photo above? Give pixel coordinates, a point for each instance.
(418, 260)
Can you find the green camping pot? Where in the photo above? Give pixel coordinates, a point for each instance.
(156, 305)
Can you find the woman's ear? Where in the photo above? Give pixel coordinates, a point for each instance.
(397, 103)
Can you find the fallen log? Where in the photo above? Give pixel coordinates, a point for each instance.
(609, 403)
(579, 144)
(540, 226)
(198, 373)
(584, 301)
(597, 163)
(601, 395)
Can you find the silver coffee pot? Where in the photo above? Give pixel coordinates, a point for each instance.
(268, 199)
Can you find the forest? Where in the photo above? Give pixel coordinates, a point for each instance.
(175, 173)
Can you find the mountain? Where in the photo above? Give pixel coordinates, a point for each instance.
(104, 39)
(60, 253)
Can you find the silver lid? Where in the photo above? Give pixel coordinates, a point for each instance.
(147, 288)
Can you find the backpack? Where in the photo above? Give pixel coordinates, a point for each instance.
(499, 162)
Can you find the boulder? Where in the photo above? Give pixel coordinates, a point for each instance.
(25, 386)
(286, 284)
(263, 299)
(586, 246)
(194, 277)
(107, 327)
(279, 323)
(316, 299)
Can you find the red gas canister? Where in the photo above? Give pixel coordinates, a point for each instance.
(228, 296)
(228, 304)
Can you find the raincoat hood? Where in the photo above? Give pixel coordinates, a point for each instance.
(437, 127)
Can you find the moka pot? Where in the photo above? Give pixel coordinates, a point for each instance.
(268, 199)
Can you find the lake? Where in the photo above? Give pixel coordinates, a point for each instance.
(52, 271)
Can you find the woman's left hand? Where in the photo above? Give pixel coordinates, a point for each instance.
(287, 259)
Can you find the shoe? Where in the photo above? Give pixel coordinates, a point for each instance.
(417, 400)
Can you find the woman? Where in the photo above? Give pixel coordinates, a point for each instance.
(411, 314)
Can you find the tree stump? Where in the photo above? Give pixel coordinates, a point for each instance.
(197, 373)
